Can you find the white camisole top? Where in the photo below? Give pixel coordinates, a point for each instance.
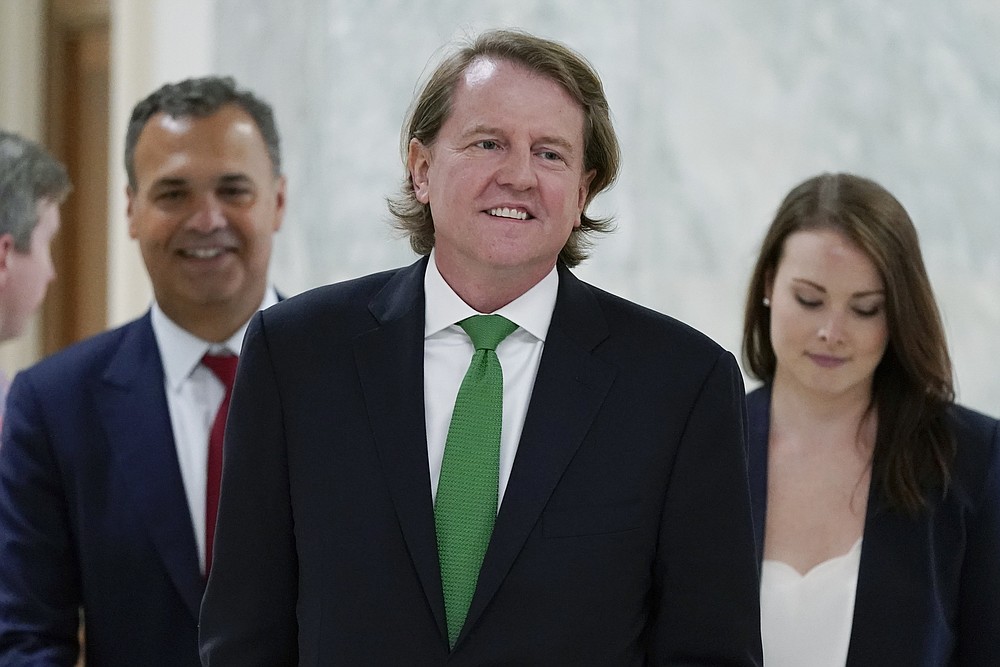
(805, 620)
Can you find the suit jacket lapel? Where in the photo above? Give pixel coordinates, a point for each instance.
(135, 417)
(569, 389)
(890, 564)
(390, 363)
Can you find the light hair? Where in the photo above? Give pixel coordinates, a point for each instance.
(432, 107)
(28, 175)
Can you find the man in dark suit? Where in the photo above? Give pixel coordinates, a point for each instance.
(619, 528)
(105, 483)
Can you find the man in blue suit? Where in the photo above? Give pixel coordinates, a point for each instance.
(617, 529)
(105, 496)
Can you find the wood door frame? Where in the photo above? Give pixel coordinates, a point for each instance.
(77, 77)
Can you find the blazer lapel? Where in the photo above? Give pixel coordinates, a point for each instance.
(569, 389)
(890, 570)
(140, 434)
(390, 361)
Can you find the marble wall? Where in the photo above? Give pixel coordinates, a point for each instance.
(722, 106)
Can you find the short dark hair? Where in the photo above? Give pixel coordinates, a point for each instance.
(28, 175)
(914, 449)
(199, 98)
(432, 107)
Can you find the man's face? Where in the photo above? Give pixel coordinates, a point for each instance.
(27, 275)
(504, 178)
(204, 210)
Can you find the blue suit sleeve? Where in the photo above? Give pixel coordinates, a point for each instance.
(39, 580)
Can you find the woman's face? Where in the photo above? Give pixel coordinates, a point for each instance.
(828, 320)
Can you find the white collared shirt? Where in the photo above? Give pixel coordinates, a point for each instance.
(194, 394)
(448, 351)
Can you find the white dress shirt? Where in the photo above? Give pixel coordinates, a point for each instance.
(448, 351)
(194, 395)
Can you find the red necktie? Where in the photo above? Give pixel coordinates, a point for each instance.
(224, 368)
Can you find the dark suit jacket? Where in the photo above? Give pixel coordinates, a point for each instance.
(93, 512)
(928, 588)
(624, 536)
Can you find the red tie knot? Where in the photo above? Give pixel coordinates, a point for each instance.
(224, 367)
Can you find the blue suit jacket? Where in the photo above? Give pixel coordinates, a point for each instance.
(928, 589)
(93, 512)
(624, 537)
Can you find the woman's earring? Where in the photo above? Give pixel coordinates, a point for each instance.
(766, 302)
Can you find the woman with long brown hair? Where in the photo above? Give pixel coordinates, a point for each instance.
(876, 497)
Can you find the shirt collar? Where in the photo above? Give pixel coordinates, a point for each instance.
(181, 351)
(532, 311)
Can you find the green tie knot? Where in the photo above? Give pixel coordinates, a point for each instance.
(487, 331)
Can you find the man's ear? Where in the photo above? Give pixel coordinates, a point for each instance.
(130, 209)
(583, 193)
(279, 201)
(6, 248)
(418, 163)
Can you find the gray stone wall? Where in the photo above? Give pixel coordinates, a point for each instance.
(722, 107)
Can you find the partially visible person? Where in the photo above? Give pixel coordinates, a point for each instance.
(110, 455)
(32, 186)
(877, 496)
(576, 495)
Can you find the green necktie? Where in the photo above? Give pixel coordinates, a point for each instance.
(466, 504)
